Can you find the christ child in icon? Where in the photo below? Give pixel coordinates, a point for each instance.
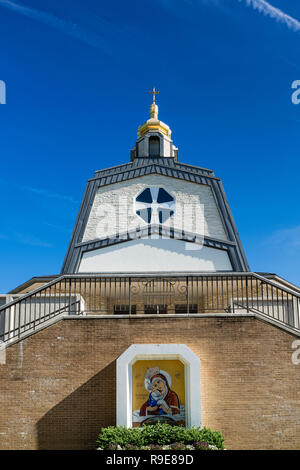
(162, 399)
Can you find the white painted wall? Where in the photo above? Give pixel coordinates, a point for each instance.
(155, 255)
(113, 208)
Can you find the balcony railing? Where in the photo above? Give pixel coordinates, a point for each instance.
(150, 294)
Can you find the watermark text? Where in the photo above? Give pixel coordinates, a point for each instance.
(2, 92)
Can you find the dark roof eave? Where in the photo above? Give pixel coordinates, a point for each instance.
(280, 279)
(32, 281)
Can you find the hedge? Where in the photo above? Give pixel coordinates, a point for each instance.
(157, 434)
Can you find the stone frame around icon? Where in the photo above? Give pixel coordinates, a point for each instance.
(160, 352)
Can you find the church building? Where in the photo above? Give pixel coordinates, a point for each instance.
(155, 316)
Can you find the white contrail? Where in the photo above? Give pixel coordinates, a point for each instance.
(49, 194)
(67, 27)
(268, 10)
(262, 6)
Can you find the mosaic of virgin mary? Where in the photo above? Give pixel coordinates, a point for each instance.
(162, 400)
(163, 403)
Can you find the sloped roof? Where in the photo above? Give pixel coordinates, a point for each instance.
(161, 166)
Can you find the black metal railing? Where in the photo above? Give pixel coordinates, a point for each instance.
(150, 294)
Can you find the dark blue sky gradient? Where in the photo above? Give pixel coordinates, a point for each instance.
(77, 75)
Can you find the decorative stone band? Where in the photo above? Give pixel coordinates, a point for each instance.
(163, 232)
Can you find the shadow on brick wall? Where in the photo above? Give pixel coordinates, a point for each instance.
(76, 421)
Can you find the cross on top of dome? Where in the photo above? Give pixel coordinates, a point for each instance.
(153, 92)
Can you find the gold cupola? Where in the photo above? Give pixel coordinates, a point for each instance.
(153, 124)
(154, 137)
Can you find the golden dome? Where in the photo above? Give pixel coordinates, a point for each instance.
(154, 124)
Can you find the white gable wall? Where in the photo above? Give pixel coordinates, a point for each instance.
(113, 208)
(155, 255)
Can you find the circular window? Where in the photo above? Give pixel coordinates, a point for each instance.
(154, 205)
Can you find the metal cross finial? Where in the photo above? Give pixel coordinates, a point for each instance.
(153, 92)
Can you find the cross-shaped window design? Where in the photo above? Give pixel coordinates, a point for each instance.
(155, 205)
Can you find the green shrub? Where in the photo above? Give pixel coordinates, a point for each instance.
(119, 435)
(158, 434)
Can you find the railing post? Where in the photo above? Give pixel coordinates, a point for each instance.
(247, 294)
(187, 295)
(232, 295)
(19, 324)
(2, 325)
(130, 296)
(70, 298)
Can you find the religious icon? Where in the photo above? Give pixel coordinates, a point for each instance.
(162, 403)
(162, 400)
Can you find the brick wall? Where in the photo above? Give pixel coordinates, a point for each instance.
(113, 208)
(58, 386)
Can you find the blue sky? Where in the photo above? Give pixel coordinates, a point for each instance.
(77, 75)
